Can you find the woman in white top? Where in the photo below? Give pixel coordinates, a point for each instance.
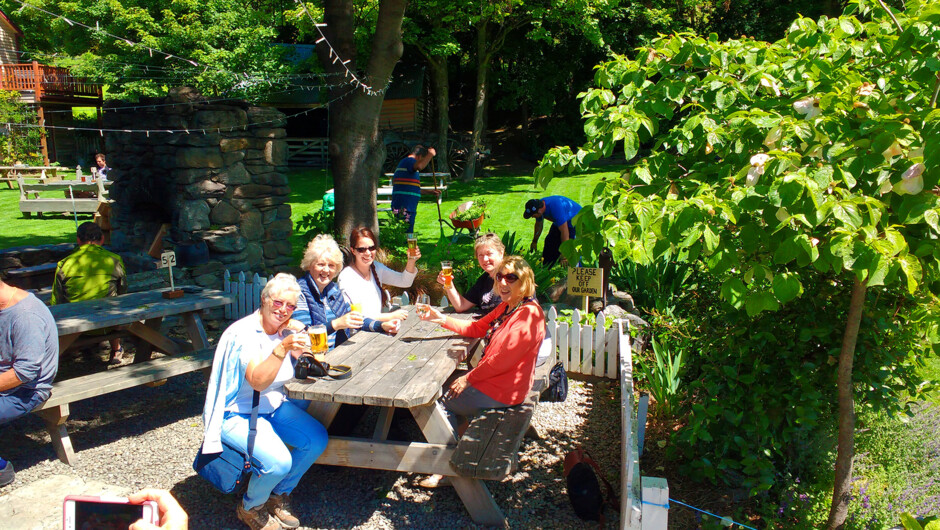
(362, 280)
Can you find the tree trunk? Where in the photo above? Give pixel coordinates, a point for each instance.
(479, 108)
(442, 103)
(841, 491)
(356, 147)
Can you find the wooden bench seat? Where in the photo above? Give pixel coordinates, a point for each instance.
(55, 411)
(34, 277)
(489, 448)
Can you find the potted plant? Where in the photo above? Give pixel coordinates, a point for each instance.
(469, 215)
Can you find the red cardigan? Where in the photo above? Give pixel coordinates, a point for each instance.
(506, 371)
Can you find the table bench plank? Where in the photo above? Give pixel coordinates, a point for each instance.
(55, 410)
(88, 315)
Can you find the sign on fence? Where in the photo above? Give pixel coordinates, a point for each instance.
(585, 281)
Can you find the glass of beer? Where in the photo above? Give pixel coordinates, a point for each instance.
(318, 342)
(447, 267)
(412, 245)
(355, 307)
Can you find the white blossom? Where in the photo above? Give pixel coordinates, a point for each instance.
(771, 84)
(866, 89)
(782, 214)
(808, 107)
(756, 169)
(912, 182)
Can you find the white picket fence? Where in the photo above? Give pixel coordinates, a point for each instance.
(582, 350)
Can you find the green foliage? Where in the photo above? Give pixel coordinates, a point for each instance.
(18, 144)
(929, 523)
(781, 172)
(229, 40)
(661, 374)
(474, 212)
(659, 285)
(313, 224)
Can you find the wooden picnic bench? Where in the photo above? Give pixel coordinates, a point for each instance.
(9, 174)
(489, 448)
(33, 277)
(55, 411)
(140, 314)
(31, 201)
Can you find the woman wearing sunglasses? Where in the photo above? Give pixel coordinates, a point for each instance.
(362, 280)
(256, 354)
(321, 300)
(513, 333)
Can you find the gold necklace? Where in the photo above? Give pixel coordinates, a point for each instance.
(7, 304)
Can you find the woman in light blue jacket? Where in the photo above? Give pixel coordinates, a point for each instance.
(257, 353)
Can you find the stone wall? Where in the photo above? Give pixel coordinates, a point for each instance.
(222, 183)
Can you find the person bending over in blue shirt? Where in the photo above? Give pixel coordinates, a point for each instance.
(559, 210)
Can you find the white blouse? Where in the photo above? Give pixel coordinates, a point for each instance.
(365, 291)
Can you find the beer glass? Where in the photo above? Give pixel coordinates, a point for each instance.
(355, 307)
(318, 342)
(412, 245)
(448, 269)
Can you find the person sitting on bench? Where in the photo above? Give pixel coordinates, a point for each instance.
(29, 358)
(513, 333)
(88, 273)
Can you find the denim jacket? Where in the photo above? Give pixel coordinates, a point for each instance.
(310, 308)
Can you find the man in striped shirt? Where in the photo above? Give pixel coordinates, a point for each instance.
(406, 184)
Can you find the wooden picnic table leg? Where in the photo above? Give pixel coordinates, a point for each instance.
(55, 423)
(145, 348)
(474, 493)
(384, 423)
(67, 340)
(323, 412)
(196, 331)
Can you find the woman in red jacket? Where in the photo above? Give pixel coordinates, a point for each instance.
(513, 333)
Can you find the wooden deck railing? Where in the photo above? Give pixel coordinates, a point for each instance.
(44, 80)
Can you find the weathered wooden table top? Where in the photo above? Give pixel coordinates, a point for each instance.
(89, 315)
(406, 370)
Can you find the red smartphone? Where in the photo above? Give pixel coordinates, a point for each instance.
(86, 513)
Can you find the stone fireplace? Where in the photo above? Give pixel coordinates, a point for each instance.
(221, 187)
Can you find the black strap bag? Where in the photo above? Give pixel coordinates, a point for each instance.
(227, 470)
(557, 390)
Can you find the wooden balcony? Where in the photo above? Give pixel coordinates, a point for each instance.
(39, 83)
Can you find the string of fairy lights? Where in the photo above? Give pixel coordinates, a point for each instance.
(285, 82)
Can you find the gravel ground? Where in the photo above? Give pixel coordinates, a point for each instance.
(147, 437)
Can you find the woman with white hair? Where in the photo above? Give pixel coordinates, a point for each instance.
(256, 354)
(322, 301)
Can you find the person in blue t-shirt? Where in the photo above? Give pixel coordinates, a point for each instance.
(559, 210)
(406, 184)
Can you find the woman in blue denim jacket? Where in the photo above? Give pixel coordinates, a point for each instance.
(322, 301)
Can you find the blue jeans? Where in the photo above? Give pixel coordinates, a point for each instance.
(280, 467)
(19, 401)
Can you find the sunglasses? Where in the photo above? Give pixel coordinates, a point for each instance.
(365, 249)
(510, 278)
(277, 304)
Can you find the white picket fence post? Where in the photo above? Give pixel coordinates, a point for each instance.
(247, 294)
(584, 349)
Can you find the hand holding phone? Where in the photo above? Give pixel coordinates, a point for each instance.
(172, 516)
(87, 512)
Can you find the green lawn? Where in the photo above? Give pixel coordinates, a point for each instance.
(505, 195)
(17, 230)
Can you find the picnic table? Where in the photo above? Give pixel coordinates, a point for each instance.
(9, 174)
(142, 313)
(64, 197)
(403, 371)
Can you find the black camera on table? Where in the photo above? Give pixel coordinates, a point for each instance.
(308, 366)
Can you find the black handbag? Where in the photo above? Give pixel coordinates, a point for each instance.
(557, 390)
(228, 469)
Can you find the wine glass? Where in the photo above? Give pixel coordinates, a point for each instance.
(422, 304)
